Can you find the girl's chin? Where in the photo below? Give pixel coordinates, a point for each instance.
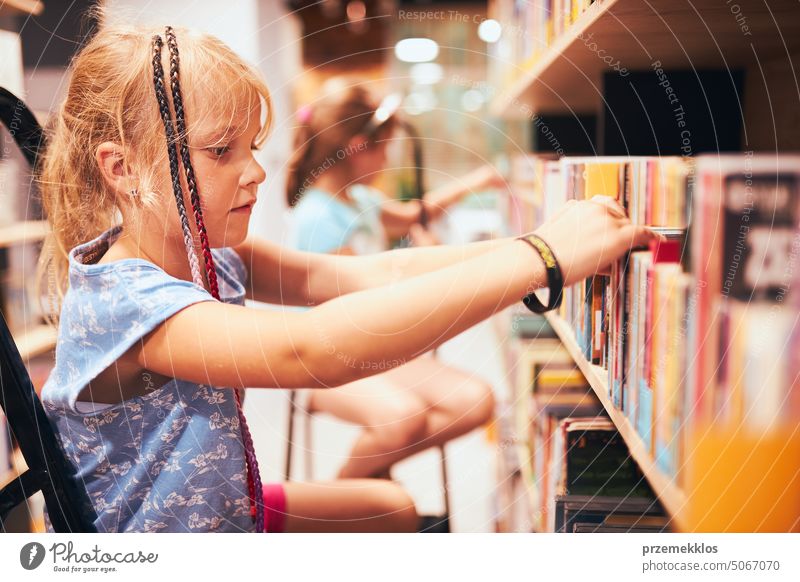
(233, 235)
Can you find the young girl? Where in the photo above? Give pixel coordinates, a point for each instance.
(338, 151)
(148, 183)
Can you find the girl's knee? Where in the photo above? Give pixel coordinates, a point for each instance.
(401, 423)
(395, 506)
(478, 401)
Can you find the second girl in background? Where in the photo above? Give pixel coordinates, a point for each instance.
(339, 150)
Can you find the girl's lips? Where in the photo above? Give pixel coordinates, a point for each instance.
(244, 209)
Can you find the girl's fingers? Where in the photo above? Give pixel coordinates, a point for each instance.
(640, 236)
(612, 205)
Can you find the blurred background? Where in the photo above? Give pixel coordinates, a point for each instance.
(551, 93)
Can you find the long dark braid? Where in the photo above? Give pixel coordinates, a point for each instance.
(180, 123)
(253, 474)
(169, 130)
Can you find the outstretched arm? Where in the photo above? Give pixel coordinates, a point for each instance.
(397, 217)
(367, 332)
(290, 277)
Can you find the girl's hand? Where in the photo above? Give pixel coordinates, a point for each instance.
(422, 237)
(587, 236)
(487, 176)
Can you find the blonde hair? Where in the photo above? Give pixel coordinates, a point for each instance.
(328, 124)
(111, 98)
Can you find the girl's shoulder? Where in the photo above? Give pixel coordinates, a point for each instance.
(365, 193)
(88, 274)
(321, 223)
(110, 306)
(317, 202)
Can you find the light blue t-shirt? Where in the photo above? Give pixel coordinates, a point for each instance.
(173, 459)
(321, 223)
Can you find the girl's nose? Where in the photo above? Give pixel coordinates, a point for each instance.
(253, 173)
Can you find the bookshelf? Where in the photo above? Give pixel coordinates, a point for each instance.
(565, 77)
(731, 476)
(670, 496)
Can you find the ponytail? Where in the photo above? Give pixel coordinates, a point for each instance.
(340, 114)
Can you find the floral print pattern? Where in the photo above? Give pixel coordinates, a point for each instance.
(173, 459)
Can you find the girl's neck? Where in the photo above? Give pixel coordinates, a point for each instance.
(168, 256)
(336, 184)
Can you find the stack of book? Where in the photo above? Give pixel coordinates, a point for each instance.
(628, 321)
(589, 458)
(575, 449)
(592, 514)
(700, 332)
(742, 395)
(746, 234)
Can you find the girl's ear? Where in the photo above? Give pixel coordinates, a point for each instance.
(111, 162)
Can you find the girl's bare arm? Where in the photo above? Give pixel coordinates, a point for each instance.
(345, 339)
(397, 217)
(290, 277)
(366, 332)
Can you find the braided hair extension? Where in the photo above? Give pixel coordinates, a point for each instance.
(254, 476)
(253, 473)
(169, 130)
(180, 123)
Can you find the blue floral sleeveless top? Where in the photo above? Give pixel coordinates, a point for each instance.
(173, 459)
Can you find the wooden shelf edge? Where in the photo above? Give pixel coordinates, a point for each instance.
(31, 7)
(501, 105)
(565, 78)
(23, 232)
(36, 340)
(670, 496)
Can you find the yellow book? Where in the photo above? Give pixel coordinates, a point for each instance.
(602, 179)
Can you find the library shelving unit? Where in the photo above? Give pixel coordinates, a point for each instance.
(566, 75)
(671, 497)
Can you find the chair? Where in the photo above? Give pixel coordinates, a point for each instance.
(68, 506)
(429, 523)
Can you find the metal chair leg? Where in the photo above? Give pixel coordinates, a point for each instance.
(445, 481)
(308, 452)
(287, 474)
(308, 444)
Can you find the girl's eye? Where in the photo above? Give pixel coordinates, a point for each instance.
(220, 150)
